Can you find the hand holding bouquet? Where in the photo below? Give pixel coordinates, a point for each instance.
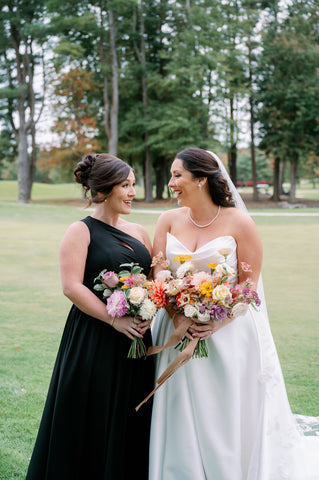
(126, 293)
(203, 296)
(200, 296)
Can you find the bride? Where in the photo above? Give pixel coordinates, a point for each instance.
(225, 417)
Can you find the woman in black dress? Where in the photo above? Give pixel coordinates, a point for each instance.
(89, 428)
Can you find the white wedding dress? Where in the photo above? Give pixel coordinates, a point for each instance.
(227, 417)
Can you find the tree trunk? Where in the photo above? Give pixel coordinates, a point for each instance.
(106, 101)
(148, 187)
(161, 180)
(252, 126)
(293, 178)
(113, 139)
(33, 158)
(22, 131)
(282, 177)
(148, 172)
(276, 193)
(23, 166)
(233, 146)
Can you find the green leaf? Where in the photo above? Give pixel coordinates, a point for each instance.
(124, 273)
(136, 269)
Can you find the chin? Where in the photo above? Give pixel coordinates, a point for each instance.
(182, 203)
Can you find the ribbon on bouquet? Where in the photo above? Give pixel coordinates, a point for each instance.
(180, 360)
(176, 336)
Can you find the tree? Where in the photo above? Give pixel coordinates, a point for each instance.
(111, 107)
(251, 13)
(21, 55)
(289, 89)
(231, 75)
(141, 55)
(76, 124)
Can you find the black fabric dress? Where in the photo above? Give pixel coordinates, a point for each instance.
(89, 428)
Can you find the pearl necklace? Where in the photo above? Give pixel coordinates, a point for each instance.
(207, 224)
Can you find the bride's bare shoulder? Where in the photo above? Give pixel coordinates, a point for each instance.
(172, 215)
(236, 214)
(242, 225)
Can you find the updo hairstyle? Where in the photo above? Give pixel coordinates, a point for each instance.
(200, 164)
(100, 172)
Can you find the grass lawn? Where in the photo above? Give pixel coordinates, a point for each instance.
(33, 311)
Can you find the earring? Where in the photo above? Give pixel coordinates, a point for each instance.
(200, 186)
(105, 200)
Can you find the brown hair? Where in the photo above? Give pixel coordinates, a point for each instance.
(100, 172)
(201, 163)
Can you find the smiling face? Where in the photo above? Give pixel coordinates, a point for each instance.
(184, 185)
(120, 200)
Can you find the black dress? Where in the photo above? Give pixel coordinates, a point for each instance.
(89, 428)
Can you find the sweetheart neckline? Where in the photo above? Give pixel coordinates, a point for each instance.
(205, 244)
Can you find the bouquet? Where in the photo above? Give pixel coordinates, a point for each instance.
(203, 296)
(126, 293)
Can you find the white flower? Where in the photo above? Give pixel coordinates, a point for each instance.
(164, 275)
(187, 268)
(147, 309)
(137, 295)
(107, 292)
(190, 311)
(225, 251)
(225, 268)
(239, 309)
(220, 293)
(203, 317)
(173, 287)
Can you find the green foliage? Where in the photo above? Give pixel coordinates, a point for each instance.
(263, 168)
(289, 87)
(204, 62)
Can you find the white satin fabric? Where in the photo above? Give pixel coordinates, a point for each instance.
(226, 417)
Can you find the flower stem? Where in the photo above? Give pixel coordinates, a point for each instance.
(137, 348)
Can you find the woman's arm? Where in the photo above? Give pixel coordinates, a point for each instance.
(163, 226)
(73, 254)
(249, 248)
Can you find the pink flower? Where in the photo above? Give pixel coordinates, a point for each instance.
(159, 259)
(110, 279)
(116, 304)
(201, 277)
(245, 267)
(135, 280)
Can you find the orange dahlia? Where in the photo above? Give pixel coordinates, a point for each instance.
(157, 293)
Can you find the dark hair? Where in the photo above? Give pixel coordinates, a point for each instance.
(100, 172)
(201, 163)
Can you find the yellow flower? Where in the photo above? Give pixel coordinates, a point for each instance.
(212, 266)
(206, 289)
(122, 279)
(123, 287)
(182, 258)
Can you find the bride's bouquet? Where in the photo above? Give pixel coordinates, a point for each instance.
(126, 293)
(202, 296)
